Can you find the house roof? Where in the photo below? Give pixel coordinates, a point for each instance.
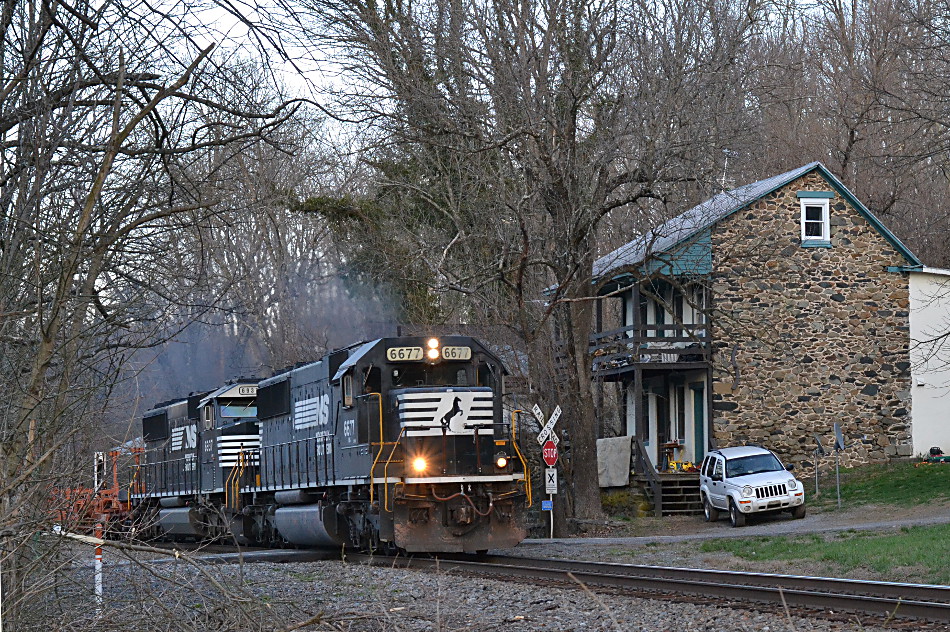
(681, 228)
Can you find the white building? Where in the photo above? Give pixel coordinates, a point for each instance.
(930, 358)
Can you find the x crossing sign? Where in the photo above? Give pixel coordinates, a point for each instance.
(547, 432)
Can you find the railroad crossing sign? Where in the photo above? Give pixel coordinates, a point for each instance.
(550, 480)
(549, 453)
(547, 431)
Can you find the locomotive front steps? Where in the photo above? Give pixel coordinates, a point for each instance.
(679, 493)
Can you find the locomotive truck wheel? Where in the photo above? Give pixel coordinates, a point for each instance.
(710, 513)
(736, 518)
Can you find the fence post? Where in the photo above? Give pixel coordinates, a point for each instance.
(99, 535)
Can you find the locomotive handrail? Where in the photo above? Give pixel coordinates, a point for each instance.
(386, 472)
(297, 470)
(232, 496)
(135, 475)
(381, 443)
(514, 443)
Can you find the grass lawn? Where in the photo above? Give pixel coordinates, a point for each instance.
(898, 484)
(926, 550)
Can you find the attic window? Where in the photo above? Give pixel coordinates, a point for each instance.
(815, 220)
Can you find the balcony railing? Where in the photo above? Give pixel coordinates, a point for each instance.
(650, 344)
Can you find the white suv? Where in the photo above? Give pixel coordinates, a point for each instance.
(748, 480)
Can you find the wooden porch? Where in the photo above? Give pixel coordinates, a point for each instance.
(668, 493)
(666, 346)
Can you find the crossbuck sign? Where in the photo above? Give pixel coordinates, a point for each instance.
(547, 429)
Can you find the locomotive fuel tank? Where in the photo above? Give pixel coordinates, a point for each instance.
(181, 522)
(310, 525)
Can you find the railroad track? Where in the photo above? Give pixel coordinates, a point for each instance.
(887, 599)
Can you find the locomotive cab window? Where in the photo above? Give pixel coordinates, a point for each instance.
(372, 382)
(234, 408)
(486, 375)
(207, 417)
(347, 390)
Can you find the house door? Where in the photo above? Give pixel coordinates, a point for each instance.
(699, 422)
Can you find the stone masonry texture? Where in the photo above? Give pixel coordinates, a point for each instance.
(807, 337)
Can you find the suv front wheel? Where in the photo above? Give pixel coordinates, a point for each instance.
(736, 518)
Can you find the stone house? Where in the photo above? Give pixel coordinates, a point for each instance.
(764, 315)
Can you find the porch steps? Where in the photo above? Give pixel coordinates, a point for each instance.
(679, 493)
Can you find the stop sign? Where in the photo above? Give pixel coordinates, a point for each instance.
(549, 453)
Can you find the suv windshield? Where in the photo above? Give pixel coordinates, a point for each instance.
(743, 466)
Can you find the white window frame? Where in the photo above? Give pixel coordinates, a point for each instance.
(825, 205)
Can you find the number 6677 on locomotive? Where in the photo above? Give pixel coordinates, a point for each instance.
(397, 443)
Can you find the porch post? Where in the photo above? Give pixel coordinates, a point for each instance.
(710, 437)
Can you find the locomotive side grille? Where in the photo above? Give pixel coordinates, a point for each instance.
(457, 412)
(768, 491)
(230, 446)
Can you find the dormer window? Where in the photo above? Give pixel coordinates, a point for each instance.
(815, 218)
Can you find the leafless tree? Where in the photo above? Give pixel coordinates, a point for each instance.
(505, 134)
(113, 127)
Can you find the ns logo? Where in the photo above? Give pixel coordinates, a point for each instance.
(185, 438)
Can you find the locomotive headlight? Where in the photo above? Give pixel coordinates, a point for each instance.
(433, 343)
(433, 354)
(419, 464)
(501, 460)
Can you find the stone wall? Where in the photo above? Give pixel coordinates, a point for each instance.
(806, 337)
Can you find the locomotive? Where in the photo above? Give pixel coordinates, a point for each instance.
(397, 444)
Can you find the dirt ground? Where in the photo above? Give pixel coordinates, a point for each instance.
(818, 520)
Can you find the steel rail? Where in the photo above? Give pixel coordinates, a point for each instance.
(886, 590)
(896, 600)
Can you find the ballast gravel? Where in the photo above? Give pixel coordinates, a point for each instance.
(370, 598)
(331, 595)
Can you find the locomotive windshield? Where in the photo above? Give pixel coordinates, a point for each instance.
(409, 375)
(431, 375)
(239, 408)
